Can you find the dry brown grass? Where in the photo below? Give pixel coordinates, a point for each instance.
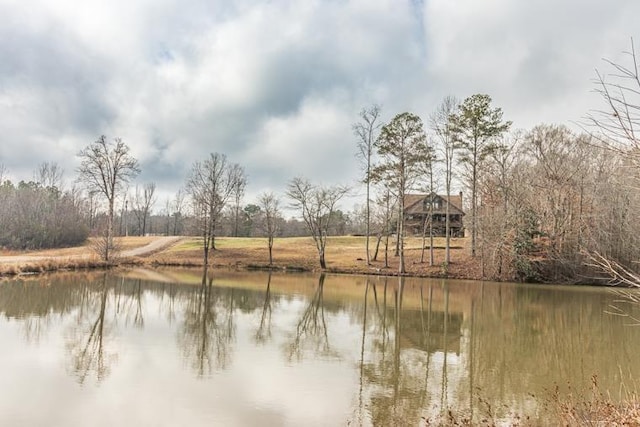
(123, 243)
(595, 408)
(577, 408)
(75, 258)
(50, 265)
(46, 265)
(343, 254)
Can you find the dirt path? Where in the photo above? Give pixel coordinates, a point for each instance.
(155, 245)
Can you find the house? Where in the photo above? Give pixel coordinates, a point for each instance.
(416, 213)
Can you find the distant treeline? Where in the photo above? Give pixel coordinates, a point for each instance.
(33, 216)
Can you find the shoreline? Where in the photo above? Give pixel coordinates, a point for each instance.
(344, 255)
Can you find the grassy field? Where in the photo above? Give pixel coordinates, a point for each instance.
(123, 243)
(343, 254)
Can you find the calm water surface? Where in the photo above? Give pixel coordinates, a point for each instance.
(158, 348)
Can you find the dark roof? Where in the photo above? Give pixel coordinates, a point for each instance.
(413, 203)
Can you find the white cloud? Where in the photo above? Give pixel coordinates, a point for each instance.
(276, 85)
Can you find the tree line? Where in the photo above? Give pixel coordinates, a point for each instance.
(39, 214)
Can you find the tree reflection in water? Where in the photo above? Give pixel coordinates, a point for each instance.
(396, 385)
(382, 328)
(311, 331)
(34, 328)
(130, 306)
(263, 333)
(203, 337)
(86, 345)
(168, 302)
(361, 411)
(414, 348)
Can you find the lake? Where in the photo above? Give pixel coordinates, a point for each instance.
(156, 347)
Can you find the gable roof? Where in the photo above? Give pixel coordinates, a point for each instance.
(413, 203)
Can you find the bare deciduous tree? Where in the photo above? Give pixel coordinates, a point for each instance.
(210, 185)
(385, 204)
(105, 167)
(238, 193)
(366, 132)
(270, 206)
(143, 201)
(428, 171)
(316, 204)
(177, 207)
(440, 123)
(616, 126)
(50, 175)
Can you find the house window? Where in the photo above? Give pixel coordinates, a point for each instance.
(436, 202)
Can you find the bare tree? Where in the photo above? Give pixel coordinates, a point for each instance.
(270, 206)
(562, 165)
(49, 175)
(177, 206)
(428, 164)
(167, 212)
(440, 123)
(316, 204)
(616, 125)
(366, 131)
(143, 201)
(124, 212)
(210, 185)
(505, 203)
(402, 148)
(385, 204)
(105, 167)
(239, 187)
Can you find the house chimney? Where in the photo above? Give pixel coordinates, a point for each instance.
(461, 204)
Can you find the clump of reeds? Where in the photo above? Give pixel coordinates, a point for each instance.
(595, 408)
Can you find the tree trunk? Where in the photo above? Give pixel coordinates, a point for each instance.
(398, 226)
(447, 228)
(323, 263)
(386, 251)
(109, 245)
(431, 254)
(368, 231)
(424, 240)
(474, 205)
(375, 254)
(206, 256)
(400, 245)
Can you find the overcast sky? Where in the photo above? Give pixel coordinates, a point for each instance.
(275, 85)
